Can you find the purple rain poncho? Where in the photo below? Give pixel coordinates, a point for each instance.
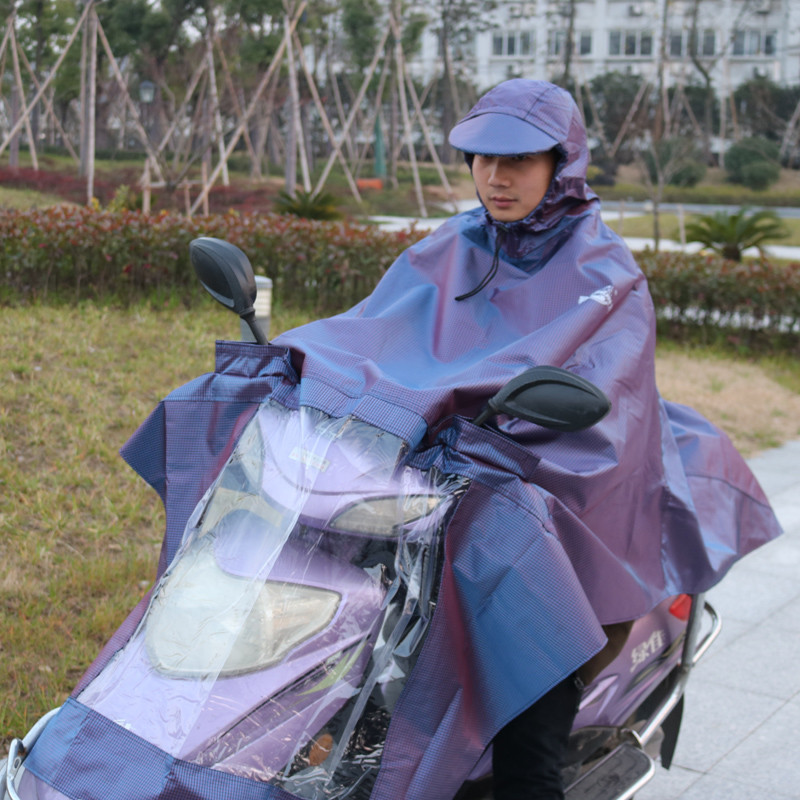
(652, 501)
(557, 533)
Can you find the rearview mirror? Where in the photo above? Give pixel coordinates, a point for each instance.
(551, 397)
(226, 274)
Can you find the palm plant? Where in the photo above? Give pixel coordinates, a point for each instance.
(731, 234)
(323, 206)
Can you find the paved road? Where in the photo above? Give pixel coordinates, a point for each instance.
(742, 720)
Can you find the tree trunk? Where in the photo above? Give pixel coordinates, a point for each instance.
(13, 147)
(393, 118)
(450, 111)
(569, 45)
(91, 100)
(657, 217)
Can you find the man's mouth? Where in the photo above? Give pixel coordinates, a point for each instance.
(502, 200)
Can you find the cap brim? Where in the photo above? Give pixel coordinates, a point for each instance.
(494, 134)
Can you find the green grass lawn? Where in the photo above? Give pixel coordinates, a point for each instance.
(80, 531)
(26, 198)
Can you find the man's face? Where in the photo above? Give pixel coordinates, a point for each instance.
(512, 186)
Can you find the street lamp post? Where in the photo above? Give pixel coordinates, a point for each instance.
(147, 93)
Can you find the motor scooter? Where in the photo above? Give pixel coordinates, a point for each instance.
(275, 646)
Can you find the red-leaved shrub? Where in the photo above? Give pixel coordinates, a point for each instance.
(78, 253)
(75, 253)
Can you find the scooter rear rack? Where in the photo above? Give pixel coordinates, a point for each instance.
(627, 768)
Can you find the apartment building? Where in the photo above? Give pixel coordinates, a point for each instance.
(733, 40)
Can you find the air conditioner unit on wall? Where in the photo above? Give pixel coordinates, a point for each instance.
(635, 10)
(761, 6)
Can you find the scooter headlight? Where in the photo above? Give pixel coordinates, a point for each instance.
(206, 622)
(384, 516)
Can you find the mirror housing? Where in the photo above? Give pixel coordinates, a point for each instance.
(551, 397)
(227, 275)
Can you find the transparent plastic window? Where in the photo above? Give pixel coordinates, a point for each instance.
(279, 639)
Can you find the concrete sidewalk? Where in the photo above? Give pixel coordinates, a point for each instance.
(741, 725)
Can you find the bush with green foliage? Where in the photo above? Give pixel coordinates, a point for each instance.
(679, 160)
(76, 253)
(753, 162)
(763, 107)
(754, 303)
(689, 173)
(602, 171)
(73, 254)
(124, 199)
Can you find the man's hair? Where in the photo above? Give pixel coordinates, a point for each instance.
(557, 152)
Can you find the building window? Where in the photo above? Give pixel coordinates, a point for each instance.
(676, 43)
(755, 43)
(630, 43)
(709, 43)
(511, 44)
(557, 43)
(581, 43)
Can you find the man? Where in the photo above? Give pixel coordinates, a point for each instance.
(513, 162)
(573, 535)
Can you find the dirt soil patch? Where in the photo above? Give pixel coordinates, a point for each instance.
(738, 396)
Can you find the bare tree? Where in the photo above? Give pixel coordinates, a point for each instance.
(453, 22)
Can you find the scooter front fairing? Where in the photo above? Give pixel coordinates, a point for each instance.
(277, 642)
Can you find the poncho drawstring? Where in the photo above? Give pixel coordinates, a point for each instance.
(498, 243)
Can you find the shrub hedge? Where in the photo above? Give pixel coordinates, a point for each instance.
(753, 162)
(76, 253)
(754, 303)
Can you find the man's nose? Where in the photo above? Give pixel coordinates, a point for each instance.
(498, 175)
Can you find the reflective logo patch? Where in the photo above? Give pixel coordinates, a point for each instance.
(604, 296)
(642, 652)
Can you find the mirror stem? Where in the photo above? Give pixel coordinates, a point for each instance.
(487, 413)
(250, 318)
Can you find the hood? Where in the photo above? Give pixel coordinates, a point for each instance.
(497, 125)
